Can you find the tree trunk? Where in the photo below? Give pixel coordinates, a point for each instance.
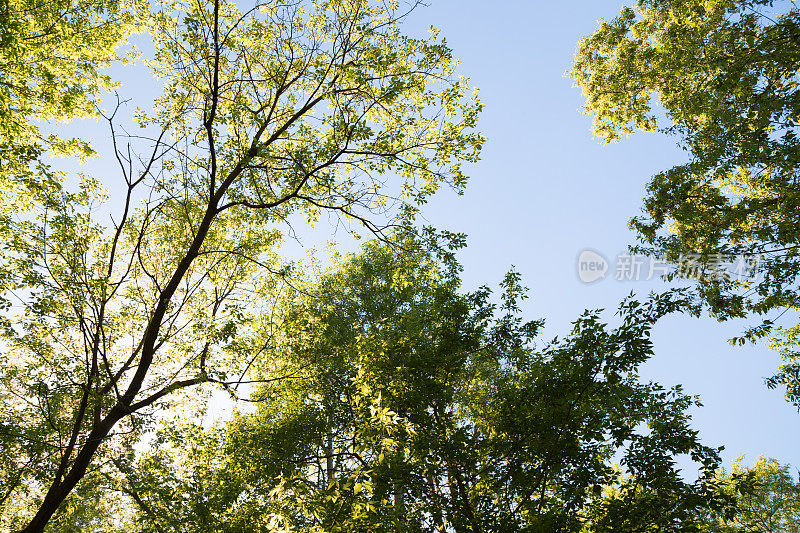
(59, 491)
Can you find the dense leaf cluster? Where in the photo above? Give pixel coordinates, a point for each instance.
(399, 403)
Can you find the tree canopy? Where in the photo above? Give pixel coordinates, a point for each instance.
(297, 108)
(395, 402)
(51, 58)
(722, 77)
(766, 498)
(372, 393)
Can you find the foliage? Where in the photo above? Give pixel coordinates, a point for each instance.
(51, 57)
(767, 498)
(394, 402)
(283, 110)
(722, 76)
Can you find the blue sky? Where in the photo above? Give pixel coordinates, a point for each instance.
(545, 189)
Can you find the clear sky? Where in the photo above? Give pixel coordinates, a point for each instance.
(545, 190)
